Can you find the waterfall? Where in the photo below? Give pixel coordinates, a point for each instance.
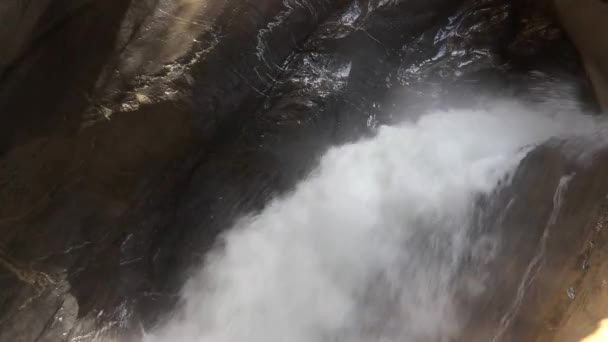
(370, 246)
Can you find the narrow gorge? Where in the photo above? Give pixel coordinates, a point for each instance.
(303, 170)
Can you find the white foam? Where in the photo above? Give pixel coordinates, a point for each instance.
(368, 247)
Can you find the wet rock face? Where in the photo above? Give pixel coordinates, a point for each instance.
(581, 20)
(544, 264)
(135, 132)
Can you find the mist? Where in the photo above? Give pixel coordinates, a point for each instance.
(370, 246)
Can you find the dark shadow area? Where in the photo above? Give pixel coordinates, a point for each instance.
(48, 86)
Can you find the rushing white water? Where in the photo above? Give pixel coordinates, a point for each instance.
(370, 246)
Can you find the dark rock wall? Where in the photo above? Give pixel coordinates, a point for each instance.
(55, 54)
(585, 22)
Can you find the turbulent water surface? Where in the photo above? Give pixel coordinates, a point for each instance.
(372, 245)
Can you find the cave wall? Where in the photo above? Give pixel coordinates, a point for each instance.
(586, 22)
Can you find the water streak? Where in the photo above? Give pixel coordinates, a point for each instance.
(536, 263)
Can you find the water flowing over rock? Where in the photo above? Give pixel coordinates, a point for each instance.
(136, 133)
